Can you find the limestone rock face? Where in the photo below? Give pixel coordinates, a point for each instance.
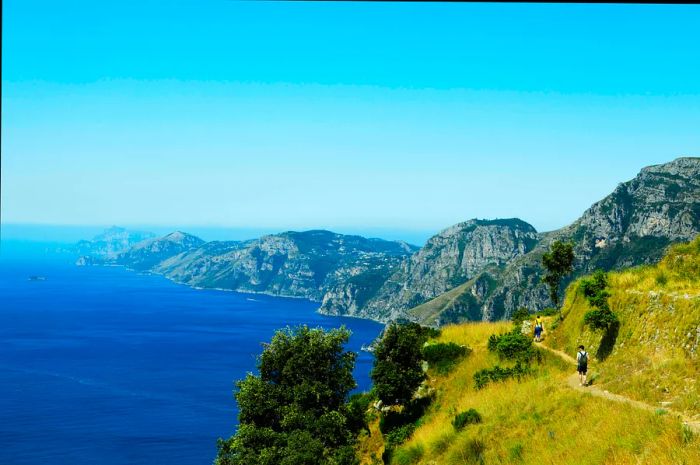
(146, 254)
(294, 264)
(633, 225)
(475, 270)
(448, 259)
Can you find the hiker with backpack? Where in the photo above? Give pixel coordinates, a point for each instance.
(582, 361)
(538, 329)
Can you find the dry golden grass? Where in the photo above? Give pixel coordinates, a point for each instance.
(541, 420)
(655, 357)
(538, 420)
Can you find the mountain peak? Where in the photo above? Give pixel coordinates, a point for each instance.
(688, 166)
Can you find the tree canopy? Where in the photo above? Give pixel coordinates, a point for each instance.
(398, 370)
(295, 411)
(558, 262)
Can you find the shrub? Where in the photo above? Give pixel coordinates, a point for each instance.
(444, 356)
(549, 311)
(472, 452)
(595, 289)
(357, 407)
(520, 315)
(470, 417)
(512, 346)
(600, 319)
(487, 375)
(409, 455)
(399, 435)
(398, 370)
(661, 278)
(410, 414)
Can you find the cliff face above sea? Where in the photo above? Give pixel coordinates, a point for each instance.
(108, 244)
(295, 264)
(448, 259)
(298, 264)
(633, 225)
(474, 270)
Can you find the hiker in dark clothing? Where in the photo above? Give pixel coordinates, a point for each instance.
(582, 361)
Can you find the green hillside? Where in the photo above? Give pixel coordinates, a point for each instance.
(653, 355)
(541, 417)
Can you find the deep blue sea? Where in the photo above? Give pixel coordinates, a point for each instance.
(101, 365)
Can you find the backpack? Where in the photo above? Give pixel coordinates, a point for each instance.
(583, 360)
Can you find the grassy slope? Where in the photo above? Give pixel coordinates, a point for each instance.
(655, 356)
(429, 311)
(540, 420)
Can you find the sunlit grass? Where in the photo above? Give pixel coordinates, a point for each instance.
(538, 420)
(656, 354)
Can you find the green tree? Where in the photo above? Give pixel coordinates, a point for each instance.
(558, 262)
(398, 370)
(295, 411)
(595, 289)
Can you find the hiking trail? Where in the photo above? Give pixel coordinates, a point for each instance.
(596, 391)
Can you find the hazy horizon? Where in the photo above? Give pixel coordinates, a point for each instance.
(341, 116)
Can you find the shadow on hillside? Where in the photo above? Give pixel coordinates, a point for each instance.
(608, 342)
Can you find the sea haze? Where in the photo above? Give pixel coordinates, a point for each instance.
(103, 365)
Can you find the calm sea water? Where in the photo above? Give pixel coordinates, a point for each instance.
(100, 365)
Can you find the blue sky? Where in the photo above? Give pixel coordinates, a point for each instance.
(347, 116)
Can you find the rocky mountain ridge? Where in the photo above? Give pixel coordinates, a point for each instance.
(293, 264)
(109, 243)
(448, 259)
(632, 226)
(474, 270)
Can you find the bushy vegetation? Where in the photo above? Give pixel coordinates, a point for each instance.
(652, 353)
(295, 410)
(520, 315)
(444, 356)
(397, 374)
(357, 408)
(600, 319)
(595, 289)
(558, 262)
(548, 311)
(537, 420)
(489, 375)
(398, 425)
(469, 417)
(513, 345)
(398, 369)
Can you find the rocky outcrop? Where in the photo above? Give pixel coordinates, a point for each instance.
(295, 264)
(632, 226)
(147, 254)
(108, 245)
(475, 270)
(448, 259)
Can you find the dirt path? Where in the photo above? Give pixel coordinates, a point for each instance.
(593, 390)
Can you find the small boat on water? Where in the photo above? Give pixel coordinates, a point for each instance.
(37, 278)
